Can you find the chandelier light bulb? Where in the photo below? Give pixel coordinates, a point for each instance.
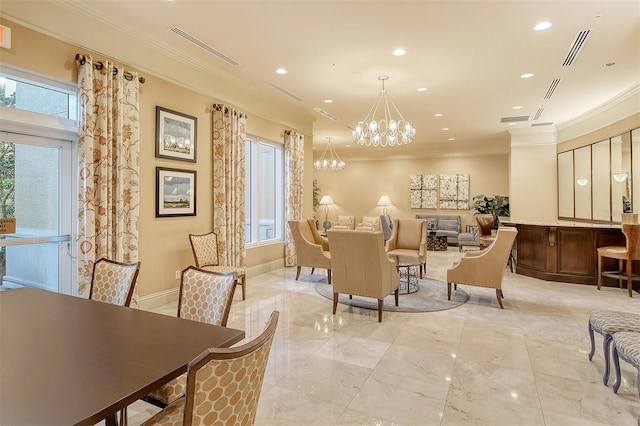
(385, 130)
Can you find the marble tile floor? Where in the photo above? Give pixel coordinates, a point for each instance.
(472, 365)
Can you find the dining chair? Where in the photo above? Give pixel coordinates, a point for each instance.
(113, 282)
(223, 385)
(205, 253)
(205, 296)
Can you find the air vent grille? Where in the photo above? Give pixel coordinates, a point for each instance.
(204, 46)
(576, 47)
(325, 113)
(552, 88)
(538, 113)
(542, 124)
(514, 119)
(285, 91)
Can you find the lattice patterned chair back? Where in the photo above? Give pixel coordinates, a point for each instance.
(206, 296)
(223, 384)
(113, 282)
(205, 249)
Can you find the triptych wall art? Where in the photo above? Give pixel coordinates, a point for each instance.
(449, 192)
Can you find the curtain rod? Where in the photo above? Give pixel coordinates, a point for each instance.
(82, 59)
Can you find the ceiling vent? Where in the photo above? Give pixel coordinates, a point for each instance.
(542, 124)
(576, 47)
(552, 88)
(514, 119)
(325, 113)
(204, 46)
(538, 113)
(285, 91)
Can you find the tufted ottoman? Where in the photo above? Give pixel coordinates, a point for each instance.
(626, 345)
(608, 323)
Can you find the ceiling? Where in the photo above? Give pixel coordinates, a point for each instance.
(470, 56)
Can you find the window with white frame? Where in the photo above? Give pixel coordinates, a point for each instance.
(264, 191)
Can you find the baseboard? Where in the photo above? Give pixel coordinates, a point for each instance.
(155, 300)
(264, 268)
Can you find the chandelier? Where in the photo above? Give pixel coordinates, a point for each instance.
(329, 159)
(384, 131)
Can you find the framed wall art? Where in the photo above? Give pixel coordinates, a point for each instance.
(175, 135)
(175, 192)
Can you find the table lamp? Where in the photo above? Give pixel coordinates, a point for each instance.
(326, 201)
(384, 201)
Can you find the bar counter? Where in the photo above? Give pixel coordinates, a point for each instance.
(564, 251)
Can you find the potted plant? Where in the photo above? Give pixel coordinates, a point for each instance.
(497, 205)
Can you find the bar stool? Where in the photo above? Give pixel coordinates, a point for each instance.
(608, 323)
(626, 254)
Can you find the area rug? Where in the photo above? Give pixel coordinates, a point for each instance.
(430, 297)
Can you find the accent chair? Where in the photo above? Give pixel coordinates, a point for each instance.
(312, 250)
(409, 240)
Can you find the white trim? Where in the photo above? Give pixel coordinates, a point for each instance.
(534, 136)
(161, 298)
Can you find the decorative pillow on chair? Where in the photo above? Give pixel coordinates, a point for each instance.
(370, 223)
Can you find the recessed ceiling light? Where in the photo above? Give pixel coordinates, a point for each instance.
(517, 107)
(608, 64)
(542, 26)
(445, 128)
(328, 101)
(348, 146)
(512, 124)
(399, 52)
(526, 75)
(281, 71)
(438, 114)
(421, 89)
(452, 139)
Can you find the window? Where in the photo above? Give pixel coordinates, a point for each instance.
(264, 199)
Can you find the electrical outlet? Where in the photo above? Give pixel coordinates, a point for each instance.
(177, 274)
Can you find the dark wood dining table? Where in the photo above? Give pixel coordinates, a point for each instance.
(66, 360)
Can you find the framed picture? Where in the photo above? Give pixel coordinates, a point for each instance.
(175, 192)
(175, 135)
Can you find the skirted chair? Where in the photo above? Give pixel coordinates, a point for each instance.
(369, 223)
(361, 267)
(626, 254)
(409, 240)
(205, 296)
(113, 282)
(205, 253)
(312, 250)
(223, 385)
(484, 268)
(344, 223)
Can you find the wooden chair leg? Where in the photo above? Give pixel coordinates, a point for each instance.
(397, 293)
(629, 277)
(335, 302)
(448, 291)
(599, 272)
(593, 342)
(499, 298)
(329, 275)
(298, 272)
(312, 270)
(244, 287)
(380, 306)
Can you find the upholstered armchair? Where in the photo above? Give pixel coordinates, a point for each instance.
(312, 250)
(361, 267)
(409, 240)
(369, 223)
(484, 268)
(344, 223)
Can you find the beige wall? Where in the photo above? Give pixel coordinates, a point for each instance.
(164, 244)
(357, 188)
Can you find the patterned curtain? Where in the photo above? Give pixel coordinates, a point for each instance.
(108, 171)
(294, 170)
(229, 177)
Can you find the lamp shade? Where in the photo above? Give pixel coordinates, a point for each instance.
(385, 201)
(326, 200)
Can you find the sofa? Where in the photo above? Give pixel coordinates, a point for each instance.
(449, 226)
